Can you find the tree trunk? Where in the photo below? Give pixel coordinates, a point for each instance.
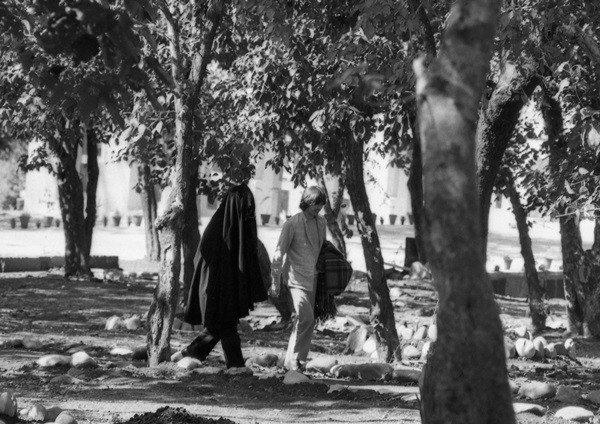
(495, 129)
(149, 212)
(465, 379)
(170, 223)
(90, 190)
(191, 235)
(534, 289)
(382, 310)
(70, 196)
(570, 236)
(415, 187)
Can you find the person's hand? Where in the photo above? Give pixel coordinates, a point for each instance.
(275, 289)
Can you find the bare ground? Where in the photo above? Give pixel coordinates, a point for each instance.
(70, 315)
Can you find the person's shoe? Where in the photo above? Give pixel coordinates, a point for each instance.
(298, 366)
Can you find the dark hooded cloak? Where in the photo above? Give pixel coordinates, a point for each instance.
(227, 280)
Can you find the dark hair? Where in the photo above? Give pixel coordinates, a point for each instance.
(312, 196)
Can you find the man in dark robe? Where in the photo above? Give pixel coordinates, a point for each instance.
(227, 279)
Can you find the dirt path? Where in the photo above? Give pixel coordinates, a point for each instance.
(66, 316)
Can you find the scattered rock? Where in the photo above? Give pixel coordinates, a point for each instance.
(514, 387)
(594, 397)
(133, 323)
(525, 348)
(363, 371)
(356, 339)
(528, 407)
(53, 360)
(266, 360)
(395, 293)
(121, 351)
(83, 360)
(411, 352)
(540, 343)
(509, 348)
(425, 350)
(65, 418)
(404, 332)
(574, 413)
(406, 375)
(537, 390)
(37, 412)
(370, 345)
(295, 377)
(32, 343)
(8, 404)
(53, 412)
(550, 351)
(322, 364)
(521, 331)
(113, 323)
(189, 363)
(421, 333)
(432, 332)
(567, 394)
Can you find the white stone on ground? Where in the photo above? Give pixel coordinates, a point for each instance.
(421, 333)
(432, 332)
(370, 345)
(266, 360)
(525, 348)
(65, 418)
(113, 323)
(32, 343)
(537, 390)
(239, 371)
(53, 360)
(37, 412)
(133, 323)
(574, 413)
(121, 351)
(83, 360)
(322, 364)
(189, 363)
(528, 407)
(411, 352)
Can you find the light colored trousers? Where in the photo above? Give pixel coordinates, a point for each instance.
(304, 305)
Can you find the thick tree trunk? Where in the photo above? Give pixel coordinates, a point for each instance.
(70, 197)
(170, 223)
(570, 236)
(90, 190)
(382, 310)
(465, 379)
(415, 187)
(149, 212)
(191, 235)
(496, 126)
(534, 289)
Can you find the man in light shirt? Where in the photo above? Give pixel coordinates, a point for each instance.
(296, 258)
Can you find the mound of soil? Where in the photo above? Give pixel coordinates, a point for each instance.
(168, 415)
